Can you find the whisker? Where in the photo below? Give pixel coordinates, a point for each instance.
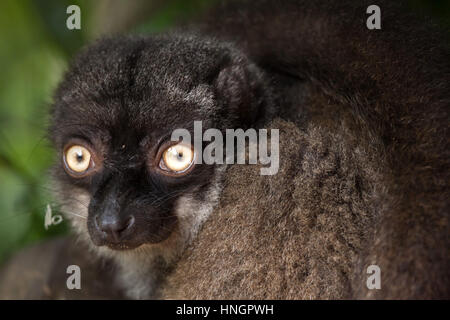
(75, 214)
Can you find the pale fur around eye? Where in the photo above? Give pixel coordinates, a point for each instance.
(78, 158)
(178, 158)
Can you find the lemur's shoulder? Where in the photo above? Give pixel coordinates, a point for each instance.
(386, 94)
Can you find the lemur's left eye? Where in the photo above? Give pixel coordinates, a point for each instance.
(177, 158)
(77, 159)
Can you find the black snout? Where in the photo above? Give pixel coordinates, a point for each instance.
(121, 211)
(114, 227)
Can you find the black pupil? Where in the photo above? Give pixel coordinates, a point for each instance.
(79, 157)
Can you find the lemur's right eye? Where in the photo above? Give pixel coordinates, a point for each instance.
(78, 159)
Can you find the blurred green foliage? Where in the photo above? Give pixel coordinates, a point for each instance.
(34, 52)
(35, 48)
(32, 60)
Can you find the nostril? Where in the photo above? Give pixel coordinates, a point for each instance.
(129, 223)
(114, 227)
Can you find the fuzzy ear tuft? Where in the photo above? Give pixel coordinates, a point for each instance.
(243, 91)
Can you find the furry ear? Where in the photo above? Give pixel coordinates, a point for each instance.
(243, 91)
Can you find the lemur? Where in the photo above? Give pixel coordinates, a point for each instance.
(364, 152)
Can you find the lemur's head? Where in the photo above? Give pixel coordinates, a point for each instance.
(119, 175)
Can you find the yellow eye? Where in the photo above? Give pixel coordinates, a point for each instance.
(178, 158)
(77, 158)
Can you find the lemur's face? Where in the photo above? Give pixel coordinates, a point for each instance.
(119, 175)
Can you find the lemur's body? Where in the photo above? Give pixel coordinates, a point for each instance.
(369, 144)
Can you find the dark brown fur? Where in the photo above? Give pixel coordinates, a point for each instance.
(367, 176)
(295, 235)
